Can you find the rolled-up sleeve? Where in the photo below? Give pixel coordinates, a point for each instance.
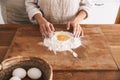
(86, 5)
(32, 8)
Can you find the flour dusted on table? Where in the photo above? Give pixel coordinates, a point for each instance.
(62, 41)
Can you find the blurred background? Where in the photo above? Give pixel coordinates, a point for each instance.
(103, 12)
(1, 20)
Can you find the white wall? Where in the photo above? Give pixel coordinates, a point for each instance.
(103, 12)
(1, 20)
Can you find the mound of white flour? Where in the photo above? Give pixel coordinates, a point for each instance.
(54, 44)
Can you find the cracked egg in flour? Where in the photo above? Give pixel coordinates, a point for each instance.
(62, 41)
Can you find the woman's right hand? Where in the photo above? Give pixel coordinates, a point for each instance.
(46, 28)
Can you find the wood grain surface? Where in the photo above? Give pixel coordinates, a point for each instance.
(93, 55)
(99, 58)
(6, 36)
(87, 75)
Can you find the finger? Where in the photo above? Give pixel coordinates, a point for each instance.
(45, 30)
(68, 26)
(74, 30)
(43, 35)
(42, 31)
(50, 35)
(82, 32)
(78, 34)
(49, 31)
(48, 28)
(52, 27)
(77, 31)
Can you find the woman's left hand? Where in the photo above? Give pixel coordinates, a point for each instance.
(77, 29)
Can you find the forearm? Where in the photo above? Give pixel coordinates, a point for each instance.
(80, 16)
(39, 18)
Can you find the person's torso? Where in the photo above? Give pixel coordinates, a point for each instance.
(59, 11)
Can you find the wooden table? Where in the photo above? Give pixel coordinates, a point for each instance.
(99, 57)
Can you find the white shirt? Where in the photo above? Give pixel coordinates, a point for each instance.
(56, 11)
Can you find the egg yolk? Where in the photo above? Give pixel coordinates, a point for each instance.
(62, 37)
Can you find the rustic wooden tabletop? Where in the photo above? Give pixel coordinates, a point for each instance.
(98, 58)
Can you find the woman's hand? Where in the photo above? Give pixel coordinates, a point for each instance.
(77, 30)
(46, 29)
